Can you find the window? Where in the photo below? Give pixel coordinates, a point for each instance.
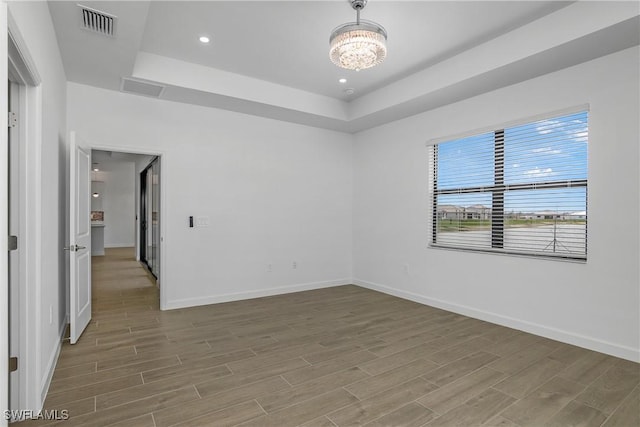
(520, 190)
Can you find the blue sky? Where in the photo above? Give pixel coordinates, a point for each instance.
(547, 150)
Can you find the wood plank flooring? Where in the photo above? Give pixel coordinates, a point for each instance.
(343, 356)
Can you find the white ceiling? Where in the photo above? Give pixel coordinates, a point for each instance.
(288, 42)
(105, 160)
(271, 58)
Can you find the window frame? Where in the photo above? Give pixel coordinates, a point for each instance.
(499, 188)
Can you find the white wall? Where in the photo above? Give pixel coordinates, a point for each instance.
(274, 193)
(119, 205)
(594, 304)
(34, 23)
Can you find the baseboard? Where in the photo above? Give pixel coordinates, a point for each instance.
(590, 343)
(216, 299)
(119, 245)
(53, 360)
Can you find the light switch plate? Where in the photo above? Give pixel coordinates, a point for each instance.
(202, 221)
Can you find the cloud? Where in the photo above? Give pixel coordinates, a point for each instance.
(582, 136)
(570, 128)
(548, 126)
(538, 173)
(546, 150)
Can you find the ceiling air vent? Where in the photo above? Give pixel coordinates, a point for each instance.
(96, 21)
(141, 88)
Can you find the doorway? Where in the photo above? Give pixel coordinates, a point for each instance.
(126, 206)
(150, 217)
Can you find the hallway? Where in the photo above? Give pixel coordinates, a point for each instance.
(125, 311)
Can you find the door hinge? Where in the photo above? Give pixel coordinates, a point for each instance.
(13, 364)
(12, 120)
(13, 243)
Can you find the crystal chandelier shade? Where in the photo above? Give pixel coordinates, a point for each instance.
(358, 45)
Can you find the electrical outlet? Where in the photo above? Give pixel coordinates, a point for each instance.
(405, 268)
(269, 268)
(294, 265)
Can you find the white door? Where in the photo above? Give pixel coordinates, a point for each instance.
(80, 237)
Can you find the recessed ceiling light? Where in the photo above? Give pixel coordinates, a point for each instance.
(204, 39)
(96, 170)
(96, 195)
(342, 80)
(350, 91)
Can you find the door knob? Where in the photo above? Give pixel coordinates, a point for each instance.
(74, 248)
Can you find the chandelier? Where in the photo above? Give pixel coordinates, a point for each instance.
(358, 45)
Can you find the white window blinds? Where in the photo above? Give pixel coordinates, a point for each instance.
(521, 189)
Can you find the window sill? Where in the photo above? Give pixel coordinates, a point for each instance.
(544, 257)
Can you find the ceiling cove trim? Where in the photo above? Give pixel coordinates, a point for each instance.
(549, 44)
(174, 72)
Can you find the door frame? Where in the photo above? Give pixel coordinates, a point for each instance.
(162, 159)
(141, 241)
(16, 195)
(4, 244)
(16, 54)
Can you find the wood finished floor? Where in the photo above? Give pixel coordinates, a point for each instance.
(342, 356)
